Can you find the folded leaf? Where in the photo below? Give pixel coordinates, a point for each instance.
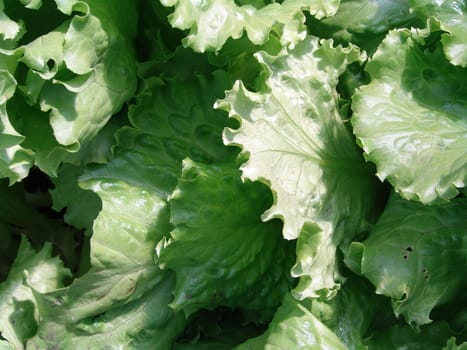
(15, 161)
(299, 145)
(124, 285)
(221, 251)
(451, 16)
(414, 254)
(39, 270)
(124, 296)
(95, 49)
(294, 325)
(144, 323)
(412, 117)
(77, 76)
(351, 312)
(364, 23)
(451, 345)
(212, 23)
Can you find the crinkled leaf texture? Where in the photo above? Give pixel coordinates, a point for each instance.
(222, 252)
(451, 18)
(15, 160)
(76, 77)
(412, 117)
(364, 23)
(95, 49)
(82, 206)
(293, 325)
(350, 314)
(300, 146)
(213, 22)
(124, 299)
(415, 254)
(451, 345)
(373, 17)
(40, 271)
(400, 337)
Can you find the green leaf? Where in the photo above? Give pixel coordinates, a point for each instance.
(300, 146)
(4, 345)
(351, 312)
(451, 345)
(82, 206)
(105, 64)
(403, 337)
(78, 74)
(451, 18)
(39, 270)
(364, 23)
(17, 204)
(10, 31)
(293, 325)
(44, 56)
(370, 16)
(144, 323)
(124, 286)
(39, 139)
(221, 251)
(412, 116)
(414, 254)
(212, 23)
(15, 161)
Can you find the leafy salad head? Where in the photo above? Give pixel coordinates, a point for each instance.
(228, 174)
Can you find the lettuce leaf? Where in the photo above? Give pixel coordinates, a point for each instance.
(299, 145)
(412, 116)
(30, 271)
(293, 324)
(212, 23)
(335, 219)
(414, 254)
(221, 251)
(449, 16)
(76, 77)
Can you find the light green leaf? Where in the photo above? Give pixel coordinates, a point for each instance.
(221, 251)
(212, 23)
(78, 74)
(15, 161)
(374, 17)
(38, 138)
(451, 345)
(293, 325)
(105, 64)
(39, 270)
(451, 17)
(4, 345)
(124, 297)
(144, 323)
(414, 254)
(10, 31)
(364, 23)
(124, 286)
(299, 145)
(411, 117)
(32, 4)
(44, 55)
